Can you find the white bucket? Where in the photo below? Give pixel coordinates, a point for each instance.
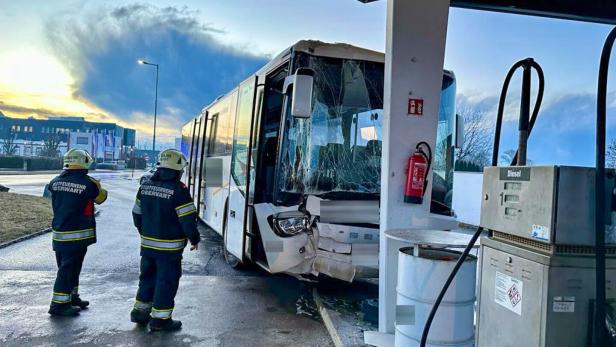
(420, 280)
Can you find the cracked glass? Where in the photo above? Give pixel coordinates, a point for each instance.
(338, 149)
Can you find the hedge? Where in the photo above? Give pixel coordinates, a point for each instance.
(11, 162)
(44, 163)
(33, 163)
(467, 167)
(137, 163)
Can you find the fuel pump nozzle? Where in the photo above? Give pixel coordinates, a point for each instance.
(527, 120)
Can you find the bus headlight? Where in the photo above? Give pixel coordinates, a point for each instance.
(291, 223)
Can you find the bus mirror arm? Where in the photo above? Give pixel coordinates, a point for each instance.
(301, 84)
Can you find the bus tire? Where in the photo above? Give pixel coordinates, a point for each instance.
(230, 259)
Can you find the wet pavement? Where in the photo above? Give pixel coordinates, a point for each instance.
(218, 305)
(352, 308)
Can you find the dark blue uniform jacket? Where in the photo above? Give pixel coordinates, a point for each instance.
(165, 215)
(73, 194)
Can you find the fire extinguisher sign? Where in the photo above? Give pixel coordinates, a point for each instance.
(415, 107)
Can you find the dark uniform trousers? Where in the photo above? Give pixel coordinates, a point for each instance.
(73, 195)
(165, 215)
(158, 282)
(67, 279)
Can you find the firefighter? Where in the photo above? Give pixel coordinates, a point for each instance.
(165, 216)
(73, 195)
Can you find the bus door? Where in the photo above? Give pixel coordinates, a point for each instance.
(217, 161)
(200, 180)
(241, 168)
(196, 153)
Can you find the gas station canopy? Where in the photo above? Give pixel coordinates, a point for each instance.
(599, 11)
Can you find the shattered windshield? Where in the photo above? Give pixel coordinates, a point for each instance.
(337, 149)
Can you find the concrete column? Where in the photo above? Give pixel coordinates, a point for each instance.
(415, 50)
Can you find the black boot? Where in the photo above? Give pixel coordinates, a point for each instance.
(165, 324)
(63, 310)
(139, 317)
(76, 301)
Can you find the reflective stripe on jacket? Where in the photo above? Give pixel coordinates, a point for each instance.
(163, 245)
(77, 235)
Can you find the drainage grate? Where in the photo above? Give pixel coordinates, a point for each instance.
(544, 247)
(610, 249)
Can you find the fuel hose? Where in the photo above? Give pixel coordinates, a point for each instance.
(526, 126)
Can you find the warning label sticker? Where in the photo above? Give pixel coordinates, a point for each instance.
(509, 292)
(564, 304)
(540, 232)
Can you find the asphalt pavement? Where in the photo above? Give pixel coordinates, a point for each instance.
(218, 305)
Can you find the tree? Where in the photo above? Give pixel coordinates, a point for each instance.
(610, 155)
(477, 145)
(506, 158)
(8, 142)
(50, 146)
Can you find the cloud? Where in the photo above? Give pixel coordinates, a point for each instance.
(564, 133)
(100, 46)
(43, 112)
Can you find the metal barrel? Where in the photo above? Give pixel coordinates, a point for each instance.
(420, 279)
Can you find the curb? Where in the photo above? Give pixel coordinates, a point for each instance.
(329, 324)
(24, 238)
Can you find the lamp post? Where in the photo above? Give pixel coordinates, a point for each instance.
(143, 62)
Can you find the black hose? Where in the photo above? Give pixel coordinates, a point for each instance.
(437, 303)
(528, 63)
(524, 116)
(599, 323)
(503, 98)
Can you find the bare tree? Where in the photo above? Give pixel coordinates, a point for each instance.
(50, 146)
(8, 142)
(477, 144)
(506, 158)
(610, 155)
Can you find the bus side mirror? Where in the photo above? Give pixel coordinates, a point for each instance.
(458, 140)
(301, 92)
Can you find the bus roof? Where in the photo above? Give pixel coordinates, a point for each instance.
(314, 47)
(321, 49)
(324, 49)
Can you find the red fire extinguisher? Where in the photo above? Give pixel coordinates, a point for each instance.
(417, 174)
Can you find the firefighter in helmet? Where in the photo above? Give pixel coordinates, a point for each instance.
(73, 195)
(165, 215)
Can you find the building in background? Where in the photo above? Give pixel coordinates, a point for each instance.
(33, 137)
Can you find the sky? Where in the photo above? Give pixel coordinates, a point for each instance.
(71, 57)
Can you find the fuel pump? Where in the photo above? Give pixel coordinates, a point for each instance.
(546, 270)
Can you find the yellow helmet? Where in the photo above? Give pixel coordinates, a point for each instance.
(172, 159)
(76, 159)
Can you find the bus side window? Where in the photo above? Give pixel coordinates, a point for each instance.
(211, 145)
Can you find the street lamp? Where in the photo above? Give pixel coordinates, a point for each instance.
(143, 62)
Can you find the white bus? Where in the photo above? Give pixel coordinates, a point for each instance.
(286, 167)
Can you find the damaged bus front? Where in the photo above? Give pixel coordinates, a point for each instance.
(302, 193)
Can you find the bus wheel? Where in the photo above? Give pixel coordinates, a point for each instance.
(232, 260)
